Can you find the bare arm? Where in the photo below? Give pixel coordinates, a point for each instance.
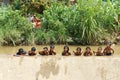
(112, 50)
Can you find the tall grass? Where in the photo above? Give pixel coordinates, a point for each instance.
(14, 28)
(85, 22)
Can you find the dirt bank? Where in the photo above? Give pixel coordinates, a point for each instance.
(59, 68)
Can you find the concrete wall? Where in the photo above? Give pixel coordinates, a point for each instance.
(59, 68)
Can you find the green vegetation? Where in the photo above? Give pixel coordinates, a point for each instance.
(85, 22)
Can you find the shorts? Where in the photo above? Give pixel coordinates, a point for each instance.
(108, 54)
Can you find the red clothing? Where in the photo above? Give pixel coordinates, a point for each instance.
(37, 22)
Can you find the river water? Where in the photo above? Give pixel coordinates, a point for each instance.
(58, 48)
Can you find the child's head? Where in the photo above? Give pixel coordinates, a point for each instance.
(78, 49)
(34, 15)
(109, 44)
(52, 47)
(33, 49)
(66, 48)
(88, 49)
(45, 49)
(99, 49)
(20, 50)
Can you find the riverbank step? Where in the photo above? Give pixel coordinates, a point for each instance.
(59, 68)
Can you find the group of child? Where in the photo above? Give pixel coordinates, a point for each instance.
(32, 52)
(108, 51)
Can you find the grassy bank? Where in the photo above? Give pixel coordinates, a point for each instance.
(85, 22)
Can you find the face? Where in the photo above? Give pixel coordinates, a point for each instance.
(99, 49)
(66, 49)
(45, 50)
(78, 50)
(88, 50)
(109, 45)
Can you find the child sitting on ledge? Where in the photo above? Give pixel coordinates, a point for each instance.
(51, 51)
(44, 52)
(32, 52)
(108, 51)
(66, 51)
(88, 52)
(78, 52)
(20, 52)
(99, 52)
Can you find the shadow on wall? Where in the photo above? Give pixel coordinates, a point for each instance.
(47, 68)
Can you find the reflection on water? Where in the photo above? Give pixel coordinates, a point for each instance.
(58, 48)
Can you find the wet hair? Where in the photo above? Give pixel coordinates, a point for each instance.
(109, 43)
(52, 46)
(20, 50)
(78, 48)
(66, 47)
(88, 48)
(45, 48)
(33, 49)
(100, 47)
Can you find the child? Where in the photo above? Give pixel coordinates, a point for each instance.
(108, 51)
(66, 51)
(35, 21)
(88, 52)
(21, 52)
(44, 52)
(78, 52)
(51, 51)
(32, 52)
(99, 52)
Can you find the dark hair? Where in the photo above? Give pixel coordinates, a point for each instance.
(66, 47)
(109, 43)
(88, 48)
(45, 48)
(100, 47)
(52, 46)
(78, 48)
(33, 49)
(20, 50)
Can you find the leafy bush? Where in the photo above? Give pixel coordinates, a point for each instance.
(14, 28)
(85, 22)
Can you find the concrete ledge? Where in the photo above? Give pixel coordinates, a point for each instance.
(59, 68)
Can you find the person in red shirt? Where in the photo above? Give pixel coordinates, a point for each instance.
(36, 22)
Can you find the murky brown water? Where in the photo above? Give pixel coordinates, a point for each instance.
(58, 48)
